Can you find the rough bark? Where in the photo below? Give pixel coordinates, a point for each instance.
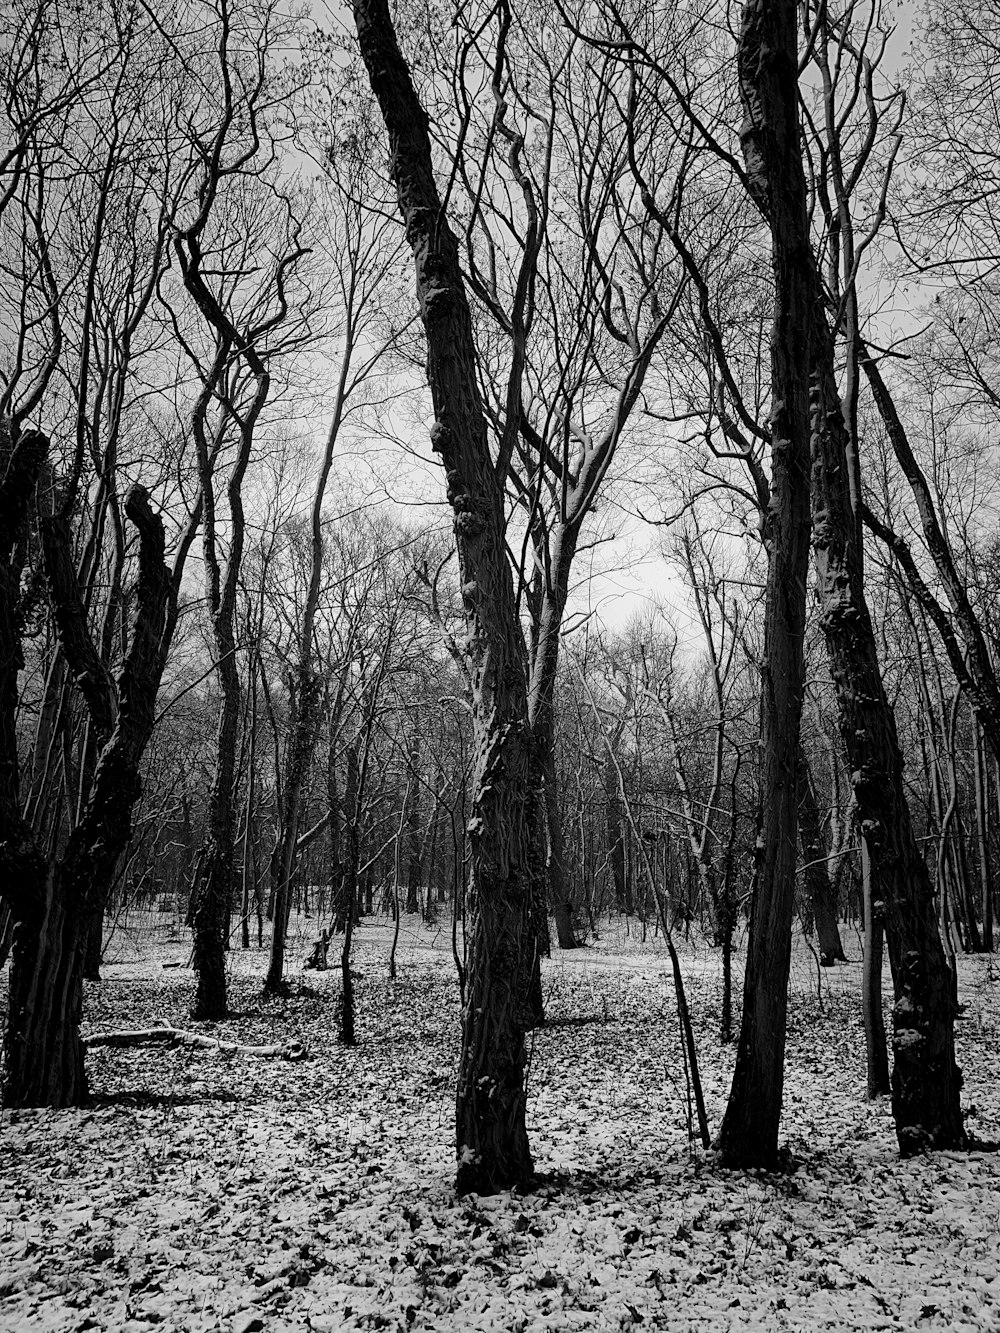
(925, 1080)
(54, 903)
(767, 62)
(492, 1143)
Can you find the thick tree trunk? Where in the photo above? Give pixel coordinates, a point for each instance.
(53, 904)
(491, 1138)
(767, 61)
(816, 872)
(44, 1052)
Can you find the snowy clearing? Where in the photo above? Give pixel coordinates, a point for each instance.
(204, 1192)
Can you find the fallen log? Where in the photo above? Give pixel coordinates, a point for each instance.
(164, 1035)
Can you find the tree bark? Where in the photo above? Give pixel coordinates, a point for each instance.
(491, 1138)
(53, 904)
(767, 62)
(44, 1052)
(925, 1080)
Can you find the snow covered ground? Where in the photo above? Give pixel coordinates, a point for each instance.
(203, 1192)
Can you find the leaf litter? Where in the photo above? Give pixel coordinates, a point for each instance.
(210, 1191)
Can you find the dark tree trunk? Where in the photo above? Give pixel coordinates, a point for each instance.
(53, 904)
(44, 1051)
(215, 879)
(93, 946)
(982, 835)
(767, 61)
(616, 836)
(413, 832)
(345, 904)
(876, 1050)
(819, 886)
(560, 898)
(926, 1080)
(303, 726)
(491, 1138)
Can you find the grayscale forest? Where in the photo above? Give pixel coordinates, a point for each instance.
(499, 641)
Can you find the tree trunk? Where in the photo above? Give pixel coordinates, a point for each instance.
(215, 879)
(926, 1079)
(491, 1137)
(44, 1052)
(767, 61)
(982, 835)
(413, 831)
(615, 835)
(816, 870)
(93, 946)
(876, 1051)
(53, 904)
(303, 725)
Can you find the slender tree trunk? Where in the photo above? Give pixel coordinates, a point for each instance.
(491, 1137)
(413, 830)
(615, 835)
(982, 835)
(560, 896)
(303, 725)
(215, 881)
(871, 986)
(816, 871)
(767, 61)
(926, 1079)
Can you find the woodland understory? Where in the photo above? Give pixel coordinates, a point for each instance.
(200, 1192)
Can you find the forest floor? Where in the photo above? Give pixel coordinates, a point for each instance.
(204, 1192)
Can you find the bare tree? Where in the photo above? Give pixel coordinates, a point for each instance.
(492, 1144)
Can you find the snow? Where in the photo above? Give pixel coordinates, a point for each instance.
(201, 1191)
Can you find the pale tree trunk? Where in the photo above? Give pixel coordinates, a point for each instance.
(876, 1050)
(816, 872)
(768, 62)
(491, 1137)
